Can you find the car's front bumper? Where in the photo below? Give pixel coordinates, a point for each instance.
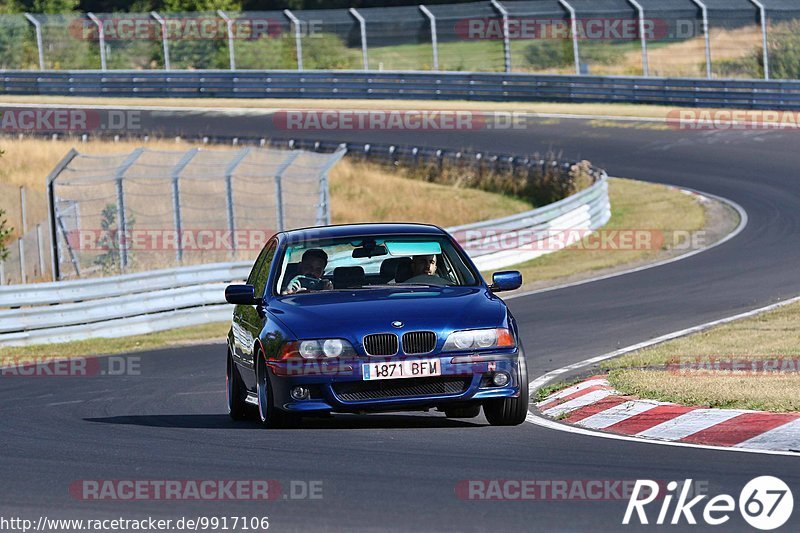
(339, 385)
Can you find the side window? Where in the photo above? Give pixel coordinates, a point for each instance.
(260, 272)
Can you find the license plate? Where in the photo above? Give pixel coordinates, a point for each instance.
(401, 369)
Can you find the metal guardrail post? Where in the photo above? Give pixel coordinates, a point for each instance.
(324, 210)
(238, 158)
(286, 163)
(506, 39)
(363, 26)
(574, 30)
(229, 28)
(704, 11)
(101, 35)
(434, 35)
(298, 37)
(642, 36)
(762, 14)
(39, 45)
(164, 38)
(51, 210)
(122, 223)
(176, 200)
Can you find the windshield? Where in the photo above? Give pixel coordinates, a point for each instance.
(372, 262)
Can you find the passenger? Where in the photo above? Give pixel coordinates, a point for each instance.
(309, 273)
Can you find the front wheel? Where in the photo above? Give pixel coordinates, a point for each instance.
(269, 415)
(510, 411)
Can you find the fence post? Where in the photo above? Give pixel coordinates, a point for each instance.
(506, 40)
(704, 12)
(324, 210)
(574, 30)
(229, 194)
(122, 225)
(286, 163)
(229, 27)
(298, 37)
(763, 16)
(39, 45)
(642, 36)
(23, 274)
(434, 36)
(101, 34)
(363, 26)
(2, 272)
(40, 246)
(176, 199)
(164, 37)
(23, 210)
(51, 210)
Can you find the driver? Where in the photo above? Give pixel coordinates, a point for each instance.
(423, 265)
(309, 273)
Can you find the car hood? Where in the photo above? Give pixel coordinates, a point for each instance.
(353, 314)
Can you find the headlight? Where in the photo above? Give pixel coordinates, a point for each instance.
(478, 339)
(317, 349)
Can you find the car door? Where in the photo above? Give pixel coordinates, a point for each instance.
(252, 316)
(247, 320)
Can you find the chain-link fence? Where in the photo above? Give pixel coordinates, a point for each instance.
(25, 215)
(686, 38)
(155, 209)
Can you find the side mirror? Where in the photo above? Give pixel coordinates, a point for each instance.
(507, 280)
(241, 295)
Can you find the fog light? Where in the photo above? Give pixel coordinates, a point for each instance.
(300, 393)
(500, 379)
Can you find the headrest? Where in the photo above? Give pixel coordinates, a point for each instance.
(291, 272)
(389, 268)
(404, 270)
(347, 277)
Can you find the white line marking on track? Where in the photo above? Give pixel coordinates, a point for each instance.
(689, 423)
(618, 413)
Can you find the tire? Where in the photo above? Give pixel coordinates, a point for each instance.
(269, 415)
(238, 409)
(510, 411)
(463, 411)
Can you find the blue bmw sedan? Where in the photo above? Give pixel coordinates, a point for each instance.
(368, 318)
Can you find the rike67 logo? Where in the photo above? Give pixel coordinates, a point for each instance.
(765, 503)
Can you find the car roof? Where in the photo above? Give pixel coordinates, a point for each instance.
(361, 230)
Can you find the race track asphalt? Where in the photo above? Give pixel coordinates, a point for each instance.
(399, 472)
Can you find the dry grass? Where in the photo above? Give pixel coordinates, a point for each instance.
(772, 336)
(206, 333)
(767, 392)
(361, 192)
(685, 58)
(634, 205)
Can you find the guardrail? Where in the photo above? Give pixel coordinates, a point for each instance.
(164, 299)
(750, 94)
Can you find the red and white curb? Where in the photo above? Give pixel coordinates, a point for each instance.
(595, 405)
